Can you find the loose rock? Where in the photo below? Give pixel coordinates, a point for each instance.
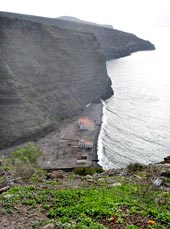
(55, 174)
(115, 184)
(49, 226)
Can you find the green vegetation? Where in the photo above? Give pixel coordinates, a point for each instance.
(114, 201)
(25, 161)
(28, 154)
(83, 171)
(91, 207)
(134, 167)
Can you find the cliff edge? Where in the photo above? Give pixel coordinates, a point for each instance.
(51, 69)
(114, 43)
(47, 74)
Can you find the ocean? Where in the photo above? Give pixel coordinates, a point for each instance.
(136, 120)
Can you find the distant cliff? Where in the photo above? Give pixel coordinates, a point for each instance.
(49, 71)
(114, 43)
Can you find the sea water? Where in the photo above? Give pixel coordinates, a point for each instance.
(136, 120)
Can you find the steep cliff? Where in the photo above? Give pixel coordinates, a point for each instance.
(46, 74)
(114, 43)
(50, 69)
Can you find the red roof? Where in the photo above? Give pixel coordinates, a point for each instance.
(85, 121)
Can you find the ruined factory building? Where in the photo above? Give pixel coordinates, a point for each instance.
(85, 123)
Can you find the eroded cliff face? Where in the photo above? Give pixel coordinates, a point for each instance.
(50, 69)
(47, 73)
(114, 43)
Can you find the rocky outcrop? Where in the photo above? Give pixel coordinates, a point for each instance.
(114, 43)
(47, 74)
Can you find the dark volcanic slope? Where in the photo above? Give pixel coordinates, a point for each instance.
(114, 43)
(46, 74)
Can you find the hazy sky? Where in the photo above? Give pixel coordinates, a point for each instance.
(122, 14)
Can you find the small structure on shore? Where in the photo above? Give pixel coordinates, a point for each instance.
(88, 145)
(68, 142)
(85, 123)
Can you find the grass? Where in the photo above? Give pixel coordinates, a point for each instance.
(85, 208)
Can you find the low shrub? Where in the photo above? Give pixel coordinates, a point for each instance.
(28, 154)
(99, 170)
(134, 167)
(83, 171)
(24, 160)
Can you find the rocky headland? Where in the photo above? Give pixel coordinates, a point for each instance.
(114, 43)
(51, 69)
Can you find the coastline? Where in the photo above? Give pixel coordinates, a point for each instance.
(95, 112)
(60, 147)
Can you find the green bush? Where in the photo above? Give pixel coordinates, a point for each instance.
(83, 171)
(24, 160)
(28, 154)
(99, 170)
(135, 167)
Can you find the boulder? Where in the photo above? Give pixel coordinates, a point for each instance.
(55, 175)
(49, 226)
(167, 159)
